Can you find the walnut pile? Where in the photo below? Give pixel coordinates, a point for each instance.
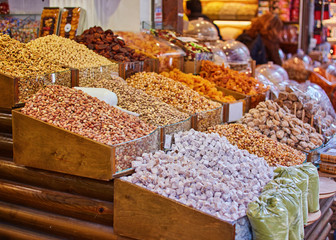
(151, 109)
(78, 112)
(279, 124)
(274, 152)
(307, 109)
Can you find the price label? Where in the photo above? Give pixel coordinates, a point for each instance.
(67, 27)
(235, 111)
(187, 39)
(168, 142)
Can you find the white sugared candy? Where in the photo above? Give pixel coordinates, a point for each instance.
(206, 172)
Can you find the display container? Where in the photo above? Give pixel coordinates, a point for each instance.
(201, 121)
(142, 214)
(127, 69)
(235, 110)
(201, 30)
(88, 76)
(169, 55)
(72, 22)
(297, 69)
(219, 55)
(193, 66)
(15, 91)
(313, 155)
(41, 145)
(49, 21)
(237, 54)
(168, 130)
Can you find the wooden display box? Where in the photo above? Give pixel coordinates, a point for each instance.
(41, 145)
(142, 214)
(194, 66)
(13, 91)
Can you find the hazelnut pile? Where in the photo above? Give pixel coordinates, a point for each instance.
(280, 125)
(274, 152)
(80, 113)
(109, 45)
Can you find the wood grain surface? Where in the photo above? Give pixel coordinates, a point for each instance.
(8, 96)
(44, 146)
(142, 214)
(5, 122)
(98, 189)
(66, 204)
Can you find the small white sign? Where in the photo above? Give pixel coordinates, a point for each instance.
(168, 141)
(235, 111)
(187, 39)
(67, 27)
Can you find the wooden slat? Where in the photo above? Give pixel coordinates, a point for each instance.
(6, 146)
(325, 204)
(44, 146)
(66, 204)
(53, 224)
(9, 232)
(57, 181)
(324, 234)
(142, 214)
(5, 123)
(321, 225)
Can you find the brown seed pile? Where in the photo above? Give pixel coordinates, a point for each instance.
(80, 113)
(16, 60)
(151, 109)
(256, 143)
(309, 110)
(109, 45)
(172, 92)
(67, 53)
(280, 125)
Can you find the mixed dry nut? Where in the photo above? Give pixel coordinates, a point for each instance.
(80, 113)
(280, 125)
(199, 84)
(274, 152)
(109, 45)
(151, 109)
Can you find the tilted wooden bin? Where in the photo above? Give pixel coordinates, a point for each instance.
(41, 145)
(142, 214)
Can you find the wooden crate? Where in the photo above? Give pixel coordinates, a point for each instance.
(41, 145)
(11, 93)
(142, 214)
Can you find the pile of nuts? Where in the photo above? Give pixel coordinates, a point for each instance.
(172, 92)
(109, 45)
(151, 109)
(309, 110)
(199, 84)
(16, 60)
(80, 113)
(231, 79)
(280, 125)
(274, 152)
(67, 53)
(206, 172)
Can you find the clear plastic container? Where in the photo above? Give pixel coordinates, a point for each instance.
(125, 153)
(297, 69)
(170, 56)
(219, 55)
(88, 76)
(201, 30)
(201, 121)
(237, 54)
(274, 73)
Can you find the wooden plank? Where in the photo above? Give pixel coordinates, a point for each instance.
(65, 204)
(5, 123)
(6, 146)
(9, 232)
(102, 190)
(44, 146)
(7, 92)
(324, 234)
(53, 224)
(321, 225)
(142, 214)
(325, 204)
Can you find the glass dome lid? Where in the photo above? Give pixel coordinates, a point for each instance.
(274, 73)
(236, 52)
(201, 30)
